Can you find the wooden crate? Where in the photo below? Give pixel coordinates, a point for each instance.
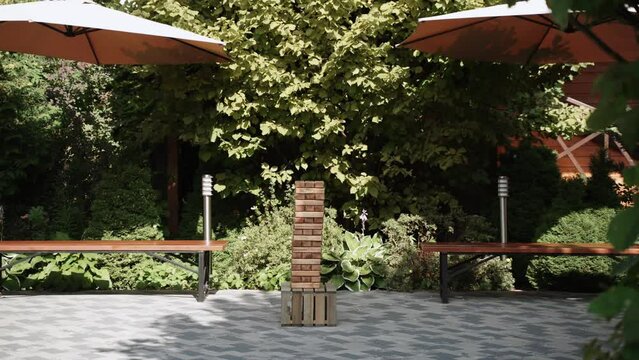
(309, 306)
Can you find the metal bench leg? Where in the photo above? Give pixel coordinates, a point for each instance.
(443, 277)
(202, 277)
(208, 258)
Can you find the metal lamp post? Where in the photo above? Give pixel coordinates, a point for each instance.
(205, 256)
(502, 193)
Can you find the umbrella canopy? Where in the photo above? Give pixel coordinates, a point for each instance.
(85, 31)
(523, 33)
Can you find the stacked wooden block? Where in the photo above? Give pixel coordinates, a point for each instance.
(305, 300)
(307, 234)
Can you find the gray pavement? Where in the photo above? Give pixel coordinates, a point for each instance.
(245, 325)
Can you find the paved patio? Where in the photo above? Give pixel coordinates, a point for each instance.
(245, 325)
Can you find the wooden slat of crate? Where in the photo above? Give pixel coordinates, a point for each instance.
(320, 305)
(307, 318)
(331, 305)
(296, 306)
(286, 304)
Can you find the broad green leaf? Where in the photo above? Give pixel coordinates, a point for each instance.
(350, 276)
(327, 269)
(613, 301)
(337, 281)
(351, 241)
(368, 281)
(353, 286)
(347, 266)
(623, 230)
(631, 175)
(331, 255)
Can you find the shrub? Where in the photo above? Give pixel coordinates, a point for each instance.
(582, 273)
(58, 272)
(125, 206)
(140, 272)
(259, 254)
(406, 267)
(601, 190)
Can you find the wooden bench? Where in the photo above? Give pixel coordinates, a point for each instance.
(486, 251)
(202, 248)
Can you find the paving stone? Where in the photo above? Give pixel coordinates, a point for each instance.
(245, 325)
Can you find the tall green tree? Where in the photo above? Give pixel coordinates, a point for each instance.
(317, 88)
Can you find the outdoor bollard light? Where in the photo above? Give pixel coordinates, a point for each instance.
(207, 192)
(502, 193)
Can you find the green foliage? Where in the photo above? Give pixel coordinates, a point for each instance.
(601, 189)
(58, 272)
(358, 265)
(406, 267)
(317, 88)
(140, 272)
(25, 123)
(259, 254)
(533, 181)
(125, 206)
(257, 249)
(579, 273)
(617, 87)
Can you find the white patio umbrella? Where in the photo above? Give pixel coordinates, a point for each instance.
(523, 33)
(85, 31)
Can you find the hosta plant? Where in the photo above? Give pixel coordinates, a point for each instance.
(357, 265)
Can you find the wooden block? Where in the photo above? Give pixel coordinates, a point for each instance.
(308, 307)
(286, 304)
(296, 306)
(308, 226)
(309, 202)
(320, 305)
(309, 214)
(306, 261)
(318, 184)
(315, 232)
(304, 273)
(307, 237)
(303, 190)
(307, 249)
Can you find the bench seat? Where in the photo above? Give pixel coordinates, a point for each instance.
(202, 248)
(487, 251)
(178, 246)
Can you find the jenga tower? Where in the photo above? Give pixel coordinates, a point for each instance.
(307, 234)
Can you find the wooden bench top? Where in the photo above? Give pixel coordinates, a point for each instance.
(182, 246)
(528, 248)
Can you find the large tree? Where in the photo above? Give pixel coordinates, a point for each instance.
(317, 88)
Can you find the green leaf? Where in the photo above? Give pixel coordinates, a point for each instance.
(368, 281)
(353, 286)
(631, 176)
(337, 281)
(351, 241)
(624, 228)
(631, 322)
(613, 301)
(347, 266)
(350, 276)
(331, 255)
(327, 269)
